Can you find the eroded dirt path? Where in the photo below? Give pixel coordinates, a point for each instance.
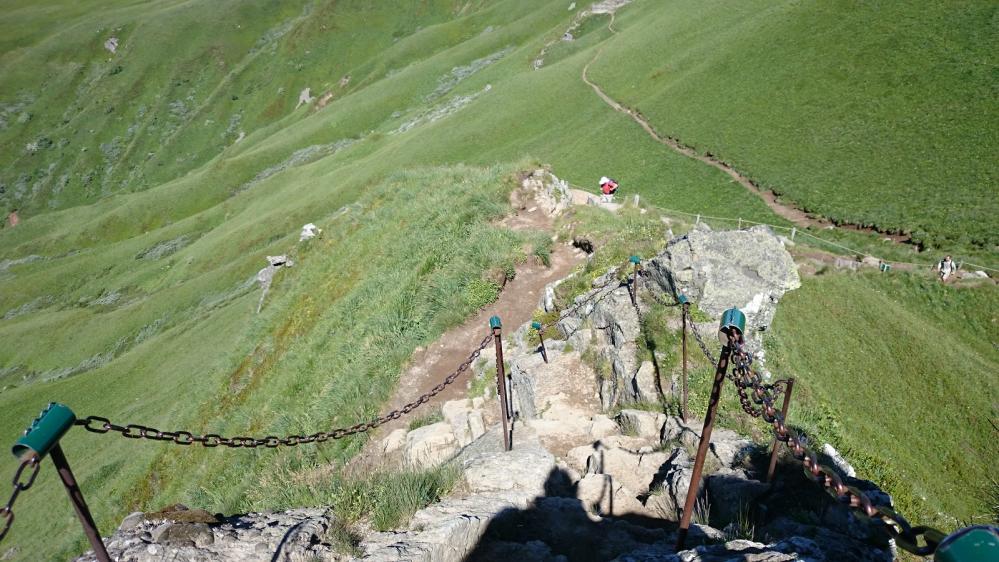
(791, 213)
(516, 304)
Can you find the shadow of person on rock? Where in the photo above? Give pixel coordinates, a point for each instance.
(556, 526)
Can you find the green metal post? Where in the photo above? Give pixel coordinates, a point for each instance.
(979, 543)
(637, 262)
(541, 336)
(42, 438)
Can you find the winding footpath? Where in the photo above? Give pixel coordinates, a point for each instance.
(790, 213)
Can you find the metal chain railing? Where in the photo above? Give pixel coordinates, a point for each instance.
(7, 512)
(596, 295)
(698, 338)
(98, 424)
(744, 377)
(757, 400)
(906, 536)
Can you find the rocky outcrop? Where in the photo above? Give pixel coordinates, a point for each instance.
(747, 269)
(295, 535)
(551, 193)
(581, 482)
(266, 275)
(309, 231)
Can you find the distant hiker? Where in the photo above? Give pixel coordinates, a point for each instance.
(13, 219)
(946, 268)
(607, 189)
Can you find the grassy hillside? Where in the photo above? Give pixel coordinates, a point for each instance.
(153, 181)
(877, 113)
(899, 374)
(325, 351)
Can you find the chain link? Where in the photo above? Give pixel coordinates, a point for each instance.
(894, 524)
(98, 424)
(697, 336)
(7, 511)
(745, 378)
(591, 297)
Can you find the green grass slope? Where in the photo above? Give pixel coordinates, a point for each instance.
(388, 276)
(899, 374)
(876, 113)
(127, 289)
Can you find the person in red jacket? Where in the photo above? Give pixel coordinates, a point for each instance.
(607, 189)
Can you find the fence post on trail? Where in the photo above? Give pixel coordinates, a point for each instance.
(783, 413)
(42, 438)
(698, 221)
(733, 323)
(634, 279)
(497, 328)
(740, 223)
(794, 230)
(541, 336)
(684, 313)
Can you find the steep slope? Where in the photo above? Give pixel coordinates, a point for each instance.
(127, 288)
(872, 113)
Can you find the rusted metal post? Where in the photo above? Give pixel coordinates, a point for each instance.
(79, 504)
(686, 312)
(634, 279)
(497, 327)
(541, 336)
(732, 325)
(783, 413)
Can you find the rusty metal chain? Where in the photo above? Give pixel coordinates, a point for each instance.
(745, 378)
(905, 535)
(7, 511)
(98, 424)
(697, 336)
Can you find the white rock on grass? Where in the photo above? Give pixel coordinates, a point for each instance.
(309, 231)
(838, 460)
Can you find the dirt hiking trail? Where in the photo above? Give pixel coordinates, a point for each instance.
(516, 304)
(792, 214)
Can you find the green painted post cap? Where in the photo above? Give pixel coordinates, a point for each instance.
(536, 325)
(634, 259)
(494, 322)
(732, 319)
(979, 543)
(45, 431)
(682, 299)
